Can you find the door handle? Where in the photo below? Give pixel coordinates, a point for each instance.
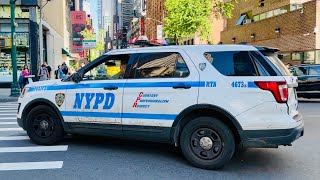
(111, 88)
(181, 86)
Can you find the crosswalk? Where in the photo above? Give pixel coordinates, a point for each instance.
(17, 152)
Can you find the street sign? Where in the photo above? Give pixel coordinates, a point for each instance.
(159, 31)
(89, 44)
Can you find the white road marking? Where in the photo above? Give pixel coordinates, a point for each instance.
(7, 123)
(8, 118)
(14, 114)
(10, 129)
(33, 149)
(14, 138)
(31, 165)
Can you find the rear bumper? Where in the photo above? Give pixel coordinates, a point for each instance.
(271, 138)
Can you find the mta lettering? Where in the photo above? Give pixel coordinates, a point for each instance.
(106, 99)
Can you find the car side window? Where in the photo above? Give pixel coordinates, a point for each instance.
(111, 68)
(160, 65)
(300, 71)
(314, 71)
(232, 63)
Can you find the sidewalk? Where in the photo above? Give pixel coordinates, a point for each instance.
(5, 96)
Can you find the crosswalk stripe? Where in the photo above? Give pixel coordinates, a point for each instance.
(8, 118)
(33, 149)
(14, 138)
(31, 165)
(14, 114)
(10, 129)
(7, 123)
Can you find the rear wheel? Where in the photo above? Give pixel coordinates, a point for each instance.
(44, 126)
(207, 143)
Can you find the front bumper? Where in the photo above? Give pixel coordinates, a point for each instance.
(20, 123)
(271, 138)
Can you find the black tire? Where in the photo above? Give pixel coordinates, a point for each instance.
(51, 133)
(218, 154)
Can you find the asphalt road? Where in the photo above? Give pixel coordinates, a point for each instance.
(104, 158)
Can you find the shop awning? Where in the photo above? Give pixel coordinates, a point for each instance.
(66, 52)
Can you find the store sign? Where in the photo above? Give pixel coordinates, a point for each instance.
(89, 44)
(6, 12)
(78, 21)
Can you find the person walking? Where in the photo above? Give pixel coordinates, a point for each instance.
(61, 74)
(49, 69)
(64, 68)
(25, 72)
(43, 73)
(56, 73)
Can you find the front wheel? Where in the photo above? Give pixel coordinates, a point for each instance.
(44, 126)
(207, 143)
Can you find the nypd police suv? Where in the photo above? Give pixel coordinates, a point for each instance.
(205, 99)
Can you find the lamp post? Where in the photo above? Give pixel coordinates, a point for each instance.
(14, 86)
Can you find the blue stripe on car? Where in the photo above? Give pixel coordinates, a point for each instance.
(120, 115)
(120, 85)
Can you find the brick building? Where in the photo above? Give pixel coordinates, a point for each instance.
(293, 26)
(154, 17)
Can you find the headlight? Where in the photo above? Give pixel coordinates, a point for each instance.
(24, 91)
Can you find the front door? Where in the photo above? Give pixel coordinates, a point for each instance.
(159, 87)
(99, 96)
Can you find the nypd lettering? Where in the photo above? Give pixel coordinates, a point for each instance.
(101, 100)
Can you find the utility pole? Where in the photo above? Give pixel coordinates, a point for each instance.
(14, 86)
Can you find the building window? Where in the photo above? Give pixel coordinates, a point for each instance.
(309, 57)
(269, 14)
(262, 16)
(297, 56)
(256, 18)
(241, 19)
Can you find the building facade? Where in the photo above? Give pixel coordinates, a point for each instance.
(56, 33)
(155, 13)
(292, 26)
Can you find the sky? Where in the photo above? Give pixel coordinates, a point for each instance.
(93, 8)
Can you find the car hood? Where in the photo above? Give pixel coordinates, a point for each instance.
(45, 83)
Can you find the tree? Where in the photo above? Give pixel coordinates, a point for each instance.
(87, 34)
(187, 17)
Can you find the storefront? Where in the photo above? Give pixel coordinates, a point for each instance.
(22, 41)
(26, 39)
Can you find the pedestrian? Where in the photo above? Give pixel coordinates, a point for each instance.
(61, 74)
(48, 69)
(56, 73)
(64, 68)
(25, 72)
(43, 73)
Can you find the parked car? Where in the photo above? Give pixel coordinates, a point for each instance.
(309, 80)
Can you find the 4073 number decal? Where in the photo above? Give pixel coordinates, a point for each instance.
(239, 84)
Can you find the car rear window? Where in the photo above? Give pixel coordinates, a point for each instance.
(232, 63)
(278, 64)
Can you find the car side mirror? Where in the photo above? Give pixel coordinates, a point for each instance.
(76, 77)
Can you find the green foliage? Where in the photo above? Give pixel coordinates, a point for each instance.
(187, 17)
(87, 35)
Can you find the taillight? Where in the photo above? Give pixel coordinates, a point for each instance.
(279, 89)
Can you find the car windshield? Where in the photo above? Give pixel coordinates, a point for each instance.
(278, 63)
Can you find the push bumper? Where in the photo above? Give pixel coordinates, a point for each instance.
(271, 138)
(20, 123)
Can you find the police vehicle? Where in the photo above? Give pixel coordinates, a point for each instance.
(205, 99)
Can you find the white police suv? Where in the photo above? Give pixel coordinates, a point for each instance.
(205, 99)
